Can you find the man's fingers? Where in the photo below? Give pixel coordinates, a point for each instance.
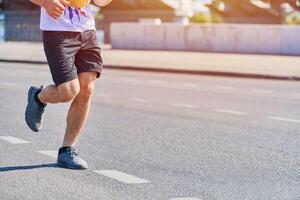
(60, 6)
(65, 2)
(54, 16)
(57, 14)
(59, 10)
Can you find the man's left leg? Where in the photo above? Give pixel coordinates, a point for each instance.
(79, 109)
(77, 115)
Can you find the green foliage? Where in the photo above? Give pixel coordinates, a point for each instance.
(205, 18)
(201, 18)
(293, 19)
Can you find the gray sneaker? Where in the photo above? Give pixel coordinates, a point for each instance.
(69, 158)
(34, 111)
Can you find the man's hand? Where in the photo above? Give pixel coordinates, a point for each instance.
(55, 8)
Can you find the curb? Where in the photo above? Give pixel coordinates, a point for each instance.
(178, 71)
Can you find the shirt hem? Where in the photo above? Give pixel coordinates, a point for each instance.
(67, 30)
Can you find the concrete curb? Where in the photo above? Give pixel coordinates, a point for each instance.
(178, 71)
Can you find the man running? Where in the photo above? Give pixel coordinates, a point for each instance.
(74, 58)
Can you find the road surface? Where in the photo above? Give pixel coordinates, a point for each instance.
(155, 136)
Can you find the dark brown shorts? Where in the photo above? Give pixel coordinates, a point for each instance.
(71, 53)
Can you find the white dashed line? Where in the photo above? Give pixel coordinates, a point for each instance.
(8, 84)
(102, 95)
(183, 105)
(260, 91)
(296, 94)
(128, 79)
(192, 85)
(186, 198)
(140, 100)
(52, 154)
(231, 112)
(13, 140)
(224, 88)
(284, 119)
(159, 82)
(121, 176)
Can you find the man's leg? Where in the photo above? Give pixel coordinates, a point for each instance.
(78, 112)
(39, 97)
(79, 109)
(65, 92)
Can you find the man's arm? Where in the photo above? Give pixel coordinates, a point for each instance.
(55, 8)
(102, 3)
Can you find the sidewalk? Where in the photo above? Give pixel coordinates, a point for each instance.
(233, 65)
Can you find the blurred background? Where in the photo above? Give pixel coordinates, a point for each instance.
(19, 21)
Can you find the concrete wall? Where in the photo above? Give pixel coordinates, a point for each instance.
(231, 38)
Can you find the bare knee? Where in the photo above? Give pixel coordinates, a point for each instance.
(86, 91)
(67, 96)
(68, 92)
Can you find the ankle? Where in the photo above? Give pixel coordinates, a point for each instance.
(63, 149)
(37, 99)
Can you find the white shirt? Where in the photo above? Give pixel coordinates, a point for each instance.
(73, 19)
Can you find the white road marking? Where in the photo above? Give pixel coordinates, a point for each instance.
(128, 79)
(284, 119)
(186, 198)
(224, 87)
(52, 154)
(102, 95)
(261, 91)
(192, 85)
(231, 112)
(296, 94)
(159, 82)
(140, 100)
(183, 105)
(14, 140)
(121, 176)
(8, 84)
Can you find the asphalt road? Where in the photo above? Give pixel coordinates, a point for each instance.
(156, 136)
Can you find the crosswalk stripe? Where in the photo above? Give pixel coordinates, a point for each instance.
(232, 112)
(140, 100)
(8, 84)
(284, 119)
(121, 176)
(52, 154)
(14, 140)
(183, 105)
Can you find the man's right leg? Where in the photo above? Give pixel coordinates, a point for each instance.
(39, 97)
(65, 92)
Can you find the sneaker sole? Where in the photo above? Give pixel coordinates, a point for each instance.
(69, 167)
(29, 93)
(28, 98)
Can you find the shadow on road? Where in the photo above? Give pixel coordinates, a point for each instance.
(28, 167)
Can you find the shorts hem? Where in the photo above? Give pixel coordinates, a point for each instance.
(71, 78)
(98, 71)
